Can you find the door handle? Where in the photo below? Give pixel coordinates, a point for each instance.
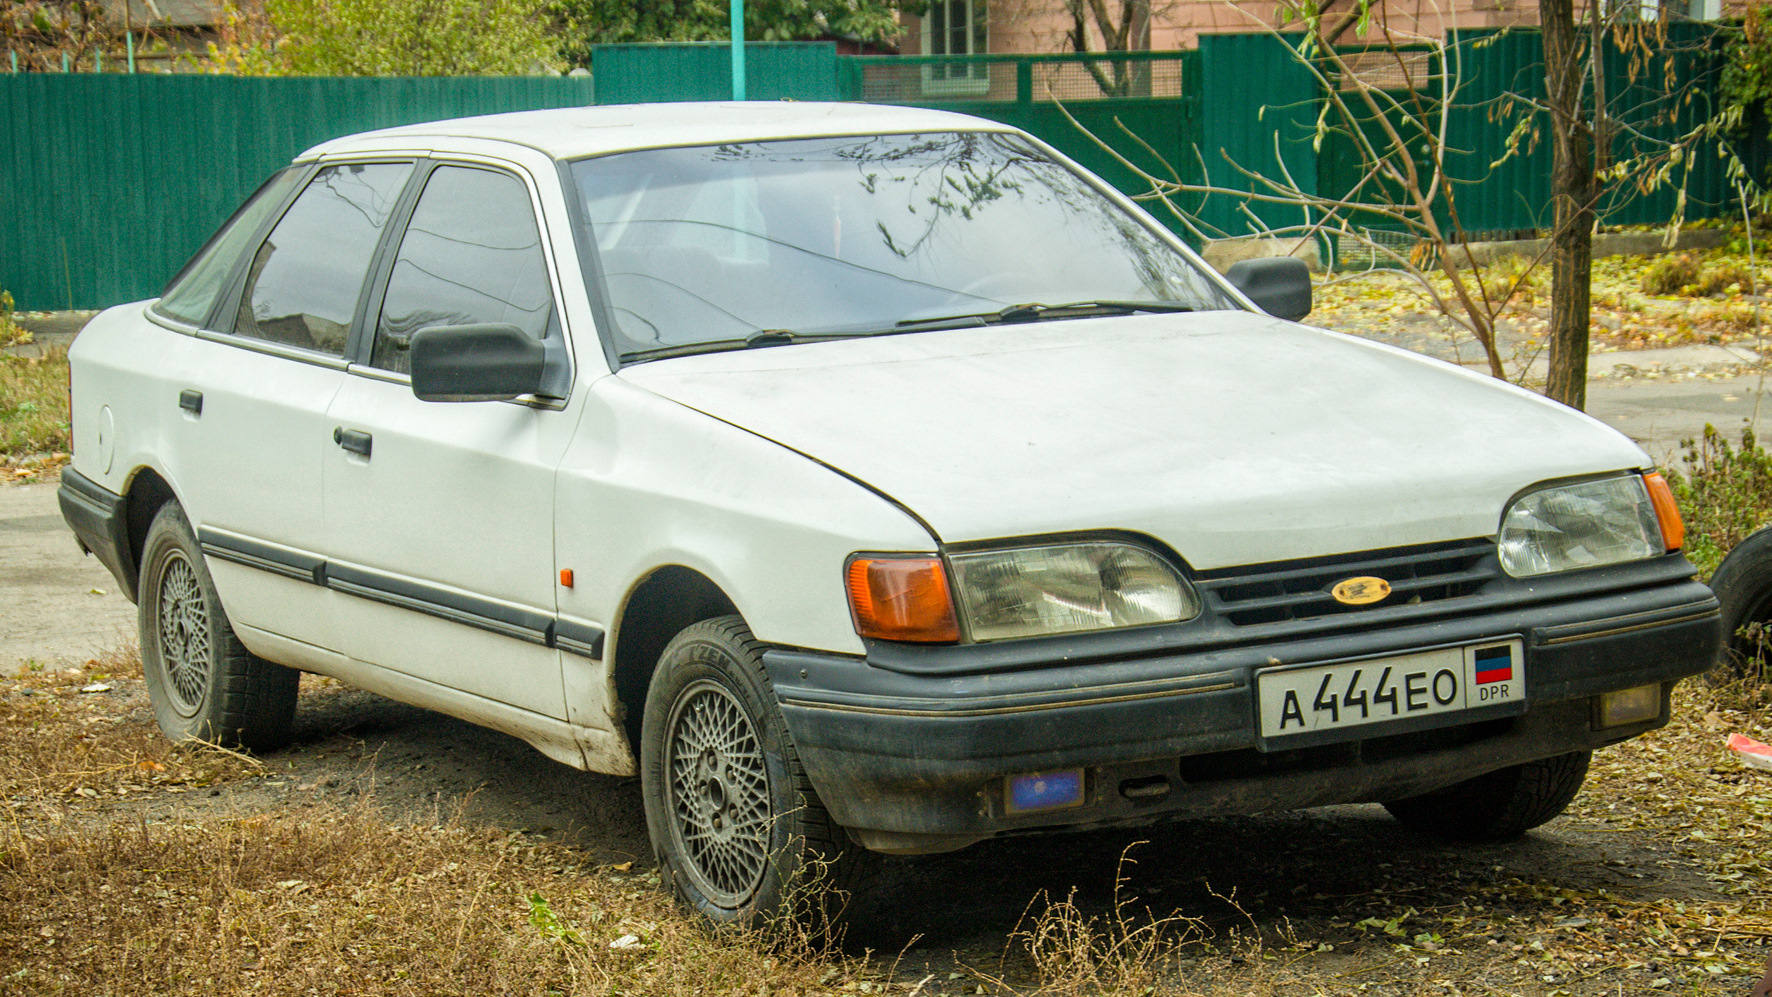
(354, 440)
(191, 400)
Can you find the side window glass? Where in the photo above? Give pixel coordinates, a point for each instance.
(303, 285)
(471, 254)
(194, 295)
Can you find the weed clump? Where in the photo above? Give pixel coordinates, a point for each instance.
(1725, 493)
(1670, 274)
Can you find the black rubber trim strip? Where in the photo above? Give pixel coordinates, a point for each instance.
(472, 611)
(991, 711)
(1618, 625)
(289, 564)
(579, 639)
(484, 614)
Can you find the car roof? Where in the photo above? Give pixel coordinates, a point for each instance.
(574, 132)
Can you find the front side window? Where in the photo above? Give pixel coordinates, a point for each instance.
(471, 255)
(304, 282)
(858, 236)
(194, 294)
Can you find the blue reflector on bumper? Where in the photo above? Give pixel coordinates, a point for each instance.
(1045, 791)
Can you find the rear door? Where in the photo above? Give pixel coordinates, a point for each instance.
(441, 514)
(252, 391)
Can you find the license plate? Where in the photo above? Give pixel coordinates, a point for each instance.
(1327, 698)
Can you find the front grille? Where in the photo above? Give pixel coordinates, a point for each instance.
(1300, 590)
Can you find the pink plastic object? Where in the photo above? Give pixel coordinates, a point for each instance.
(1752, 752)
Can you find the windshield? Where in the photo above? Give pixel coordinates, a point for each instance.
(859, 235)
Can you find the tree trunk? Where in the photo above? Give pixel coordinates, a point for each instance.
(1573, 192)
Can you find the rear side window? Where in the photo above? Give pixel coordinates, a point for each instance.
(471, 254)
(193, 296)
(305, 279)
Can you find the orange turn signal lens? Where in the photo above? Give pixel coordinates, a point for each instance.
(902, 598)
(1673, 528)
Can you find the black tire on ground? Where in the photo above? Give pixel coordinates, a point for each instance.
(1500, 805)
(202, 682)
(738, 830)
(1743, 584)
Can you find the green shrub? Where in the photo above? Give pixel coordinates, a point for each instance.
(1671, 274)
(1724, 494)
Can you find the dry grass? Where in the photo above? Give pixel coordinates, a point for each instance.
(337, 901)
(34, 432)
(61, 738)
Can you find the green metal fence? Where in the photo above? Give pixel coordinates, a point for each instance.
(109, 182)
(643, 74)
(1145, 106)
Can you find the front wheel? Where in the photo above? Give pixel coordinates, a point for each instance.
(739, 833)
(1498, 805)
(203, 683)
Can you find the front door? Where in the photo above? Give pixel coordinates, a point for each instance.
(440, 515)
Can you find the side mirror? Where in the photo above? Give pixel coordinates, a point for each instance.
(1280, 285)
(475, 363)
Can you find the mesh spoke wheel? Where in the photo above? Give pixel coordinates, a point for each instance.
(184, 634)
(719, 793)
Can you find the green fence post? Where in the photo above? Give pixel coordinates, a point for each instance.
(738, 49)
(129, 42)
(1024, 81)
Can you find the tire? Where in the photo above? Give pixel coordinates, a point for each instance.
(739, 832)
(1743, 584)
(202, 682)
(1500, 805)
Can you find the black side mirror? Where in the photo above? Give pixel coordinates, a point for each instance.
(1280, 285)
(475, 363)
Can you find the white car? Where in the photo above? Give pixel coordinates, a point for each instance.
(866, 479)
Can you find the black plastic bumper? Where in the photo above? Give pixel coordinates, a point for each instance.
(917, 761)
(100, 521)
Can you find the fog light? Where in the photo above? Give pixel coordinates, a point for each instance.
(1629, 706)
(1045, 791)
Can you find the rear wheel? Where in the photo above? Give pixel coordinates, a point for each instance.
(202, 682)
(739, 833)
(1498, 805)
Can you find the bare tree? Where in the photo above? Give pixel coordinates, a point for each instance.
(1398, 135)
(1575, 191)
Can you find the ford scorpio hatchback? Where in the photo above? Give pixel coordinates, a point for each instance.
(865, 479)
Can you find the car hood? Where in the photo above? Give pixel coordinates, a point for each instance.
(1232, 437)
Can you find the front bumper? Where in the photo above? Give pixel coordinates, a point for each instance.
(915, 759)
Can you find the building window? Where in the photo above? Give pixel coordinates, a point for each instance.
(955, 28)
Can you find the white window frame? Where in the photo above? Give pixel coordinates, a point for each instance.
(978, 76)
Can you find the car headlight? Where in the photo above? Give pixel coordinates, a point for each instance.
(1067, 588)
(1587, 525)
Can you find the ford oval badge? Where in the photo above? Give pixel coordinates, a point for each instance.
(1362, 591)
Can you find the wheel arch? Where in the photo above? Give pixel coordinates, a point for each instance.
(143, 496)
(668, 599)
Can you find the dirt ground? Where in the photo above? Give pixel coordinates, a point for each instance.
(1342, 899)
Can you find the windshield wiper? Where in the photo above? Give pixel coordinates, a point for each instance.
(760, 338)
(1035, 312)
(1005, 316)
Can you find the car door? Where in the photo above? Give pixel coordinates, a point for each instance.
(252, 393)
(440, 514)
